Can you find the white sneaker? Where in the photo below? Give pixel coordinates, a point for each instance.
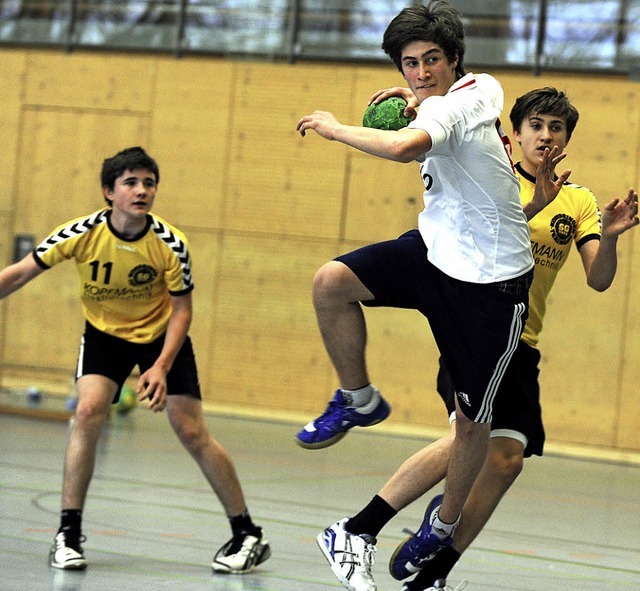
(241, 554)
(350, 556)
(67, 555)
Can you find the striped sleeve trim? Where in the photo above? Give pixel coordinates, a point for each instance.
(586, 239)
(71, 230)
(179, 247)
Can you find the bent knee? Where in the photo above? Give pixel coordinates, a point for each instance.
(329, 279)
(506, 461)
(192, 434)
(335, 283)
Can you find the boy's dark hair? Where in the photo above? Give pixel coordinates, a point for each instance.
(544, 101)
(438, 22)
(127, 159)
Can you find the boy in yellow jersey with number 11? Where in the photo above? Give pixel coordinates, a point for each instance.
(136, 284)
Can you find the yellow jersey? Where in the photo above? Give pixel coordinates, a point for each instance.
(125, 284)
(572, 217)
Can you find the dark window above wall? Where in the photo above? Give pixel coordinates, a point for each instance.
(573, 35)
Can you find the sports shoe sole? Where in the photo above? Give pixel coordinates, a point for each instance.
(393, 559)
(436, 501)
(81, 566)
(78, 564)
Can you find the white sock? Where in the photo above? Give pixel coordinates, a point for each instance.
(444, 530)
(365, 400)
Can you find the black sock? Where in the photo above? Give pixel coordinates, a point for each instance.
(243, 524)
(438, 567)
(71, 522)
(372, 518)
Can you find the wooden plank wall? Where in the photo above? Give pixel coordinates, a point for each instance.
(264, 208)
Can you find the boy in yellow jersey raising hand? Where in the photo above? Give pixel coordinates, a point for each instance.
(136, 292)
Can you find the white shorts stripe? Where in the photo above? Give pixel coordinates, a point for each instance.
(484, 415)
(79, 366)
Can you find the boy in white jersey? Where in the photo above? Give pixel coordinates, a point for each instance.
(541, 119)
(467, 269)
(136, 286)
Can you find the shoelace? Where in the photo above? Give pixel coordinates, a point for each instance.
(368, 556)
(406, 530)
(249, 547)
(334, 405)
(328, 415)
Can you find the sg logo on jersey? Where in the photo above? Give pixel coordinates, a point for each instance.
(141, 275)
(563, 228)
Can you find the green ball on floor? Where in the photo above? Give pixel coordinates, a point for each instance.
(127, 402)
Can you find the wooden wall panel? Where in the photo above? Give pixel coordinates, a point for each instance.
(382, 201)
(190, 137)
(5, 259)
(205, 247)
(626, 405)
(60, 162)
(11, 89)
(264, 208)
(580, 365)
(280, 182)
(44, 322)
(626, 402)
(6, 238)
(402, 359)
(268, 352)
(90, 81)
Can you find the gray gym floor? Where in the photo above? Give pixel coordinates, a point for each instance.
(152, 523)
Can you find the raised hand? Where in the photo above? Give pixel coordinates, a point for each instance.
(547, 185)
(322, 122)
(619, 215)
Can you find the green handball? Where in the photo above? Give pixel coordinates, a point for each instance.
(127, 402)
(387, 114)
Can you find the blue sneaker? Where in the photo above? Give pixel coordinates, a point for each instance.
(410, 556)
(333, 424)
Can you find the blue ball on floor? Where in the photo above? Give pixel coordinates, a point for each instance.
(34, 395)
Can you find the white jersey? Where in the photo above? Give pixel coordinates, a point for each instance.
(472, 222)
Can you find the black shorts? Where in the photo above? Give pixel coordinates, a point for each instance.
(115, 358)
(476, 326)
(516, 410)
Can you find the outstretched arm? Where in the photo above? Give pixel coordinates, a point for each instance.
(400, 146)
(15, 276)
(600, 260)
(547, 188)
